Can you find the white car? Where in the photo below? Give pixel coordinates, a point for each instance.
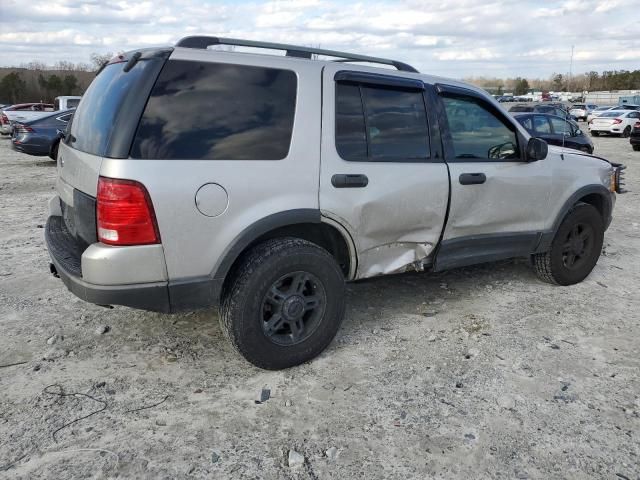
(580, 111)
(617, 122)
(598, 111)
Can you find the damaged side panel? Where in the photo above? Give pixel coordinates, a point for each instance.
(396, 220)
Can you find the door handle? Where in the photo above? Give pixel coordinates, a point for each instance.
(349, 180)
(472, 178)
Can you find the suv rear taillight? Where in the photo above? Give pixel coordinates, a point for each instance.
(125, 213)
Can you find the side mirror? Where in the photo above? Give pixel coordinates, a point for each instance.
(578, 132)
(537, 149)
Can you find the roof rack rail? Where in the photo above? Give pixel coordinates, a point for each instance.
(203, 42)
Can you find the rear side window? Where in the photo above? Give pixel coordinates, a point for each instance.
(215, 111)
(72, 102)
(380, 124)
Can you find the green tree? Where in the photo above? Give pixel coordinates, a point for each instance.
(557, 80)
(13, 87)
(521, 86)
(69, 85)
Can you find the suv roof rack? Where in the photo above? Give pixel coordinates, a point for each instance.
(203, 42)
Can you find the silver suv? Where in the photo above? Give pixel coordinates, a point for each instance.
(192, 178)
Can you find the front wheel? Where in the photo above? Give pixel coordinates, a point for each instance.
(284, 303)
(575, 249)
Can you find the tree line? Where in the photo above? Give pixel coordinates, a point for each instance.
(37, 82)
(591, 81)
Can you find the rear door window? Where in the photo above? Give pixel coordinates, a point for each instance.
(216, 111)
(381, 124)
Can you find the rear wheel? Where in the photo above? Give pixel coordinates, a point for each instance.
(636, 148)
(595, 134)
(575, 248)
(626, 132)
(284, 303)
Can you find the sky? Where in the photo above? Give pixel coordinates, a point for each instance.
(454, 38)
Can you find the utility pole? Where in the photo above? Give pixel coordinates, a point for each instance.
(570, 69)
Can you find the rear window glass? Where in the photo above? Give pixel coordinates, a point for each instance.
(218, 111)
(520, 108)
(95, 117)
(380, 124)
(73, 102)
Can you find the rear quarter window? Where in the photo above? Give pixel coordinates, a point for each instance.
(215, 111)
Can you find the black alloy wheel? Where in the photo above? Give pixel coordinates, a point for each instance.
(293, 308)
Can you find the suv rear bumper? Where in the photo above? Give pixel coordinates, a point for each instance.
(162, 296)
(66, 263)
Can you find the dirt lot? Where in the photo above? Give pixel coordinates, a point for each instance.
(476, 373)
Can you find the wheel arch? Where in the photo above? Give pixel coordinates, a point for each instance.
(596, 195)
(307, 224)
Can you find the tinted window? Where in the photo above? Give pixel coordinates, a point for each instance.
(380, 124)
(96, 114)
(541, 124)
(219, 112)
(73, 102)
(477, 131)
(351, 140)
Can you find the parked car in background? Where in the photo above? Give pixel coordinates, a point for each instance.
(634, 138)
(506, 99)
(580, 111)
(555, 130)
(615, 122)
(542, 108)
(66, 102)
(21, 113)
(598, 111)
(37, 136)
(627, 106)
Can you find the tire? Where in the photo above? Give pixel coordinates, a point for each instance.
(261, 308)
(595, 134)
(626, 132)
(636, 148)
(582, 229)
(54, 152)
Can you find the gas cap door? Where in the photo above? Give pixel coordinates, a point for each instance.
(212, 200)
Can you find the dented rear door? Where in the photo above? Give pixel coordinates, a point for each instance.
(382, 175)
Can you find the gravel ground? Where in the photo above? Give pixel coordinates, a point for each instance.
(480, 372)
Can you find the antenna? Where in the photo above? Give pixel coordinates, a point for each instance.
(566, 115)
